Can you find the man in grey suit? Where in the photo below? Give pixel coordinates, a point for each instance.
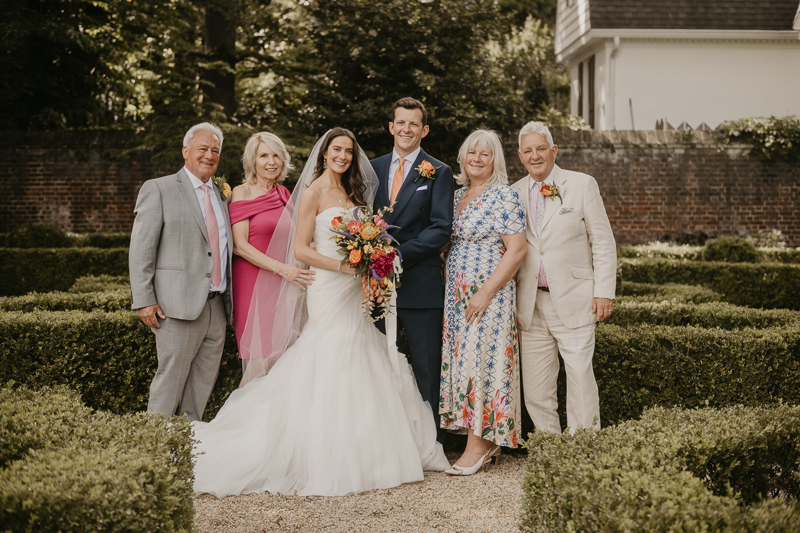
(180, 275)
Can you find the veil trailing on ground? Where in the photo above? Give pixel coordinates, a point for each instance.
(277, 311)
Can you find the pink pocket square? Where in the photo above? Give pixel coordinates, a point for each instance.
(566, 210)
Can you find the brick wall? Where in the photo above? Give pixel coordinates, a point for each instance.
(79, 181)
(657, 185)
(654, 184)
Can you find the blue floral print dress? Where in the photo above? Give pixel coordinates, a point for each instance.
(480, 368)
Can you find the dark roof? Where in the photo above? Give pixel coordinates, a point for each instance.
(693, 14)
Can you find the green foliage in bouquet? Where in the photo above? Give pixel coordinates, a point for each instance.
(729, 470)
(64, 468)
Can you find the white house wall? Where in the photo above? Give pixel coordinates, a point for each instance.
(702, 81)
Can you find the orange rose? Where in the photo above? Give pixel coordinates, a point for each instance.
(547, 190)
(354, 226)
(336, 222)
(355, 256)
(425, 168)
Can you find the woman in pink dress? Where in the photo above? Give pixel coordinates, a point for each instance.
(255, 209)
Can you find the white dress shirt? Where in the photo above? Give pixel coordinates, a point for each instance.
(223, 232)
(407, 164)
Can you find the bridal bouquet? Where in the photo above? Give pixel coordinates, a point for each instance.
(366, 246)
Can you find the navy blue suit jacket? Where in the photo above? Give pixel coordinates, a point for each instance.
(424, 213)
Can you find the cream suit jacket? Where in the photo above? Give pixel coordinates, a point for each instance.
(577, 248)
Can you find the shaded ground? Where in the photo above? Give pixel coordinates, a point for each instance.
(484, 502)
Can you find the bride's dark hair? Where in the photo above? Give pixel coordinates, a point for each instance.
(352, 178)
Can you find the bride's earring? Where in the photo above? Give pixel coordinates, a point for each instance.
(324, 164)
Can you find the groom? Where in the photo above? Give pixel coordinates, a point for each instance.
(180, 275)
(420, 189)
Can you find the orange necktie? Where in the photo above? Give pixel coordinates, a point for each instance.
(397, 181)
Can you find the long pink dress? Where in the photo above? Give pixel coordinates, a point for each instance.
(264, 213)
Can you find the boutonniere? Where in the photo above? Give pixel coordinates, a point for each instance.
(222, 185)
(550, 191)
(426, 170)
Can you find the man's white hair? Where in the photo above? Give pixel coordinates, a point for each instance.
(536, 127)
(207, 127)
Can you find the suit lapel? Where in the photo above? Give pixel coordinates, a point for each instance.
(553, 203)
(383, 180)
(524, 192)
(409, 187)
(189, 196)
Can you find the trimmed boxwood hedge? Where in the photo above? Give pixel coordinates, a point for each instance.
(64, 468)
(55, 269)
(108, 357)
(688, 252)
(705, 315)
(632, 291)
(113, 300)
(730, 470)
(766, 285)
(637, 366)
(644, 366)
(103, 282)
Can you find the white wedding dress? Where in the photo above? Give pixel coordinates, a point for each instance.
(331, 417)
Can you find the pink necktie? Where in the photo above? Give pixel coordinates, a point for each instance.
(213, 238)
(538, 203)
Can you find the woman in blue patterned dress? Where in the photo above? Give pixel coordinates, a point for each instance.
(480, 371)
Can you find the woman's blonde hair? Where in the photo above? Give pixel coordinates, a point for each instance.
(485, 140)
(250, 153)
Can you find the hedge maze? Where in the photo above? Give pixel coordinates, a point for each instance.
(698, 370)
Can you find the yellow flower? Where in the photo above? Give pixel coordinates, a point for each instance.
(369, 232)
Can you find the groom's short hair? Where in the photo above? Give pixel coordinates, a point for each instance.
(411, 103)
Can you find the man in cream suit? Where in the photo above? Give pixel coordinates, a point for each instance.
(180, 275)
(565, 285)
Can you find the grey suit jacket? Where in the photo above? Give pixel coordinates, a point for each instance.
(170, 256)
(577, 248)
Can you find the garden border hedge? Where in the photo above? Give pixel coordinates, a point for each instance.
(672, 471)
(765, 285)
(108, 357)
(55, 269)
(64, 468)
(705, 315)
(688, 252)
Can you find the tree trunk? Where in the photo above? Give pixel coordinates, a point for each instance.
(220, 50)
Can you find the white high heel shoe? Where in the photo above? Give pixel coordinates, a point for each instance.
(487, 458)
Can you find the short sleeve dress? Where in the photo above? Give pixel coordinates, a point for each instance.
(480, 368)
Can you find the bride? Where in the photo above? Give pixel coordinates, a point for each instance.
(328, 415)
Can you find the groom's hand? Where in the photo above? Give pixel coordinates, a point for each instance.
(150, 315)
(602, 307)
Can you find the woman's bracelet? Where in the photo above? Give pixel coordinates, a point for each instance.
(276, 266)
(340, 268)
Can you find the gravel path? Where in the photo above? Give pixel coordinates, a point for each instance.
(484, 502)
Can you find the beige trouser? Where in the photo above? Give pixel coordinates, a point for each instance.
(539, 349)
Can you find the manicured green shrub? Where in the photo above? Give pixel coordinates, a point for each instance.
(109, 358)
(730, 249)
(686, 252)
(644, 366)
(37, 235)
(55, 269)
(705, 315)
(74, 470)
(708, 470)
(101, 283)
(108, 240)
(673, 292)
(661, 250)
(110, 300)
(766, 285)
